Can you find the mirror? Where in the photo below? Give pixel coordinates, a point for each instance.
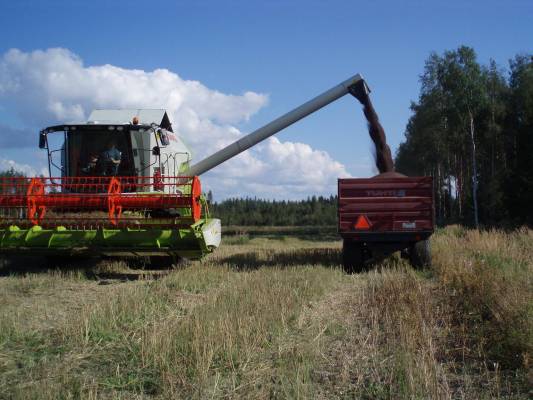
(156, 151)
(163, 136)
(42, 140)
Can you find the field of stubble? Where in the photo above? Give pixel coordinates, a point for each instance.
(274, 316)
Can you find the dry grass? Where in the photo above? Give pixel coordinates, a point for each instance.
(274, 317)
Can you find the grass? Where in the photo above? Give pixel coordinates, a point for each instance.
(274, 316)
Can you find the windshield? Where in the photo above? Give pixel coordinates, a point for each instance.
(96, 151)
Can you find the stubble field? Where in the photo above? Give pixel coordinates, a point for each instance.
(272, 315)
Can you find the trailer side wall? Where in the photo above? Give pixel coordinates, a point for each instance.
(392, 207)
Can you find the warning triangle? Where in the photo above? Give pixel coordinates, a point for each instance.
(362, 223)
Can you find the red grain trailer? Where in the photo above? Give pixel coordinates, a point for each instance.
(387, 213)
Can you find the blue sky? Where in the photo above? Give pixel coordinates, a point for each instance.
(288, 50)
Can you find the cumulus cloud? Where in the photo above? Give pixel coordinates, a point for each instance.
(54, 85)
(284, 170)
(8, 165)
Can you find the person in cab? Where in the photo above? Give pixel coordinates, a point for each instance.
(109, 160)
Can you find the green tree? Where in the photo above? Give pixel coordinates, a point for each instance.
(519, 144)
(455, 134)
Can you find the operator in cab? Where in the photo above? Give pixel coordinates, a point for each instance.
(109, 160)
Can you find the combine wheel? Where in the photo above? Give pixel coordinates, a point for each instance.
(420, 254)
(352, 257)
(70, 261)
(166, 262)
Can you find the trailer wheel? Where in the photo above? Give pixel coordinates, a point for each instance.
(352, 257)
(420, 254)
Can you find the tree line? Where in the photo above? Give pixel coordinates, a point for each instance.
(472, 131)
(252, 211)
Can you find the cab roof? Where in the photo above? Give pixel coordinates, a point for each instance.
(126, 115)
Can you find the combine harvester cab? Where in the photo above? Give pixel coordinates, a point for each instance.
(121, 191)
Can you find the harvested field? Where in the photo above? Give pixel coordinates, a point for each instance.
(274, 316)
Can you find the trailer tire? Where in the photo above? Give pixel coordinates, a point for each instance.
(420, 254)
(352, 257)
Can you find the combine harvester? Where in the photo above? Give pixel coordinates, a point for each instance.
(127, 188)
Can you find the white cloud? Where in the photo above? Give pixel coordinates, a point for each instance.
(7, 165)
(284, 170)
(54, 85)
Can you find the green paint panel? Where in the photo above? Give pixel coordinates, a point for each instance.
(186, 242)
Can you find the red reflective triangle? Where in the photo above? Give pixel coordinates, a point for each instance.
(362, 223)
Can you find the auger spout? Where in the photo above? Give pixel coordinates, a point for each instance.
(354, 85)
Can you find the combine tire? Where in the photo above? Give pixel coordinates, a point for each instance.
(352, 257)
(420, 254)
(166, 262)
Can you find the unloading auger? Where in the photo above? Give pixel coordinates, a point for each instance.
(126, 186)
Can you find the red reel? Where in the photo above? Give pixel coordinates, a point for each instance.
(196, 204)
(34, 194)
(113, 201)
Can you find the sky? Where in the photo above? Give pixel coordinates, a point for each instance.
(225, 68)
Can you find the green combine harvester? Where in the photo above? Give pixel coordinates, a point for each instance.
(125, 186)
